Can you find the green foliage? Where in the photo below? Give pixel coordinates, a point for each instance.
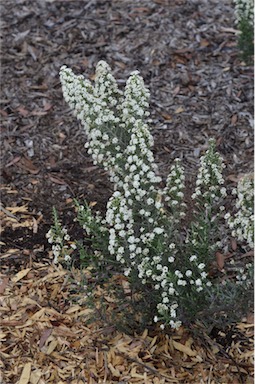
(246, 41)
(244, 11)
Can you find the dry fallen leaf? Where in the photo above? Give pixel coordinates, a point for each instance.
(20, 275)
(233, 244)
(2, 336)
(53, 344)
(22, 111)
(234, 119)
(220, 260)
(3, 284)
(27, 165)
(179, 110)
(45, 334)
(17, 209)
(35, 376)
(25, 376)
(183, 348)
(204, 43)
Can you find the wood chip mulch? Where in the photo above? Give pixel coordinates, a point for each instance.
(45, 338)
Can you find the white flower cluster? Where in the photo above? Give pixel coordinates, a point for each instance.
(174, 191)
(242, 224)
(245, 276)
(133, 209)
(59, 238)
(89, 221)
(209, 179)
(244, 11)
(192, 277)
(96, 107)
(119, 138)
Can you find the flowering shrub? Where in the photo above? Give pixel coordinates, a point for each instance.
(244, 11)
(60, 240)
(143, 234)
(242, 223)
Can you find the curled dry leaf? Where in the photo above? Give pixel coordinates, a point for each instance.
(220, 260)
(183, 348)
(20, 275)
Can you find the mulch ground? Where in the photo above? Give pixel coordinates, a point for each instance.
(187, 53)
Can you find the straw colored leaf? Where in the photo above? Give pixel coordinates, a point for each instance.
(20, 275)
(183, 348)
(25, 376)
(53, 344)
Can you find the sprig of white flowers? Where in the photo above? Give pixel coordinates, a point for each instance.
(142, 226)
(209, 206)
(242, 223)
(244, 13)
(62, 247)
(174, 191)
(244, 10)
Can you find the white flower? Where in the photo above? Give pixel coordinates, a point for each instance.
(171, 291)
(242, 222)
(192, 258)
(131, 239)
(178, 274)
(158, 230)
(67, 258)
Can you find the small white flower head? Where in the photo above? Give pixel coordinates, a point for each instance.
(193, 258)
(178, 274)
(209, 179)
(67, 258)
(158, 230)
(244, 12)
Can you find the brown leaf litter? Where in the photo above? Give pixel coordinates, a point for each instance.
(45, 338)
